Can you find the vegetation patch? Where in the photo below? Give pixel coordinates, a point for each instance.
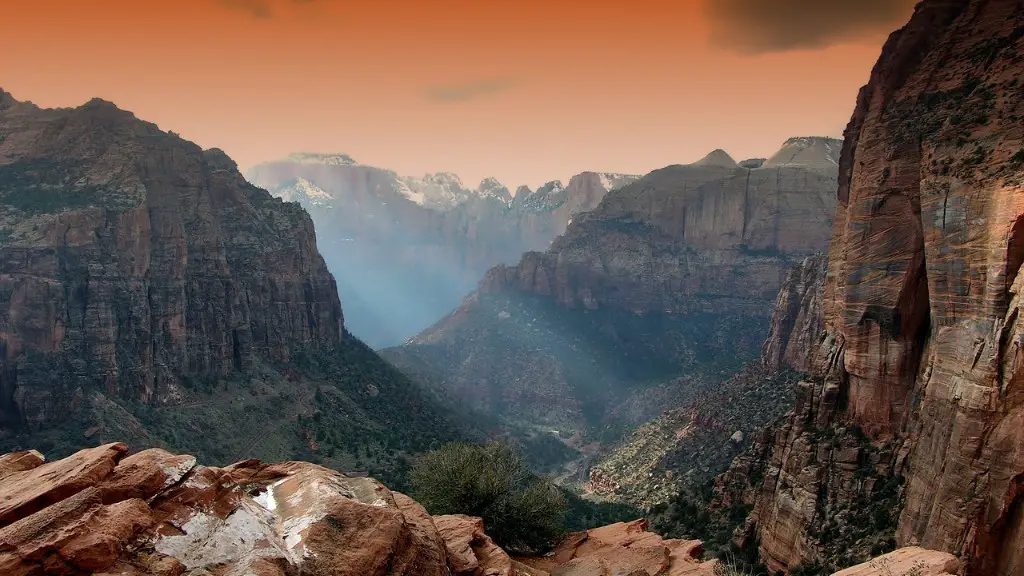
(522, 512)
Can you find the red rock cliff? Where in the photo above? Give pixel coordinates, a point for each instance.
(922, 299)
(705, 237)
(130, 257)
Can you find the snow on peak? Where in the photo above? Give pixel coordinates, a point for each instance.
(550, 187)
(330, 159)
(546, 198)
(490, 187)
(813, 152)
(612, 181)
(441, 190)
(304, 190)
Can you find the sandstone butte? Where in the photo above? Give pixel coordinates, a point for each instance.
(103, 511)
(916, 337)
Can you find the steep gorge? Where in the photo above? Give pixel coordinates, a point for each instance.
(420, 244)
(673, 275)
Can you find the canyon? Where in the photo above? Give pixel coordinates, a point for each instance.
(420, 244)
(811, 359)
(660, 292)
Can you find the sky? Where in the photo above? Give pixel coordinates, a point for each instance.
(523, 90)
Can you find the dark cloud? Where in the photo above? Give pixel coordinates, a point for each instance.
(468, 90)
(756, 26)
(257, 8)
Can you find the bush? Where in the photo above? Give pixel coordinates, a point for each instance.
(522, 512)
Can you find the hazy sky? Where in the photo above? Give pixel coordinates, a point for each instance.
(524, 90)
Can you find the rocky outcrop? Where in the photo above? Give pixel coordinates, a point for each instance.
(797, 327)
(470, 550)
(624, 548)
(919, 352)
(420, 244)
(149, 293)
(103, 511)
(911, 560)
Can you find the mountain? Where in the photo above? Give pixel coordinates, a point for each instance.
(673, 275)
(908, 427)
(420, 244)
(149, 293)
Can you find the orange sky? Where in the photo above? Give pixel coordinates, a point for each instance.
(552, 87)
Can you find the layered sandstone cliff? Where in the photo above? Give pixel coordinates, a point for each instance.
(420, 244)
(148, 292)
(705, 237)
(919, 347)
(131, 257)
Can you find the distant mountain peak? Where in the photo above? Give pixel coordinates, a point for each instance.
(717, 157)
(491, 187)
(333, 159)
(218, 159)
(440, 190)
(612, 180)
(551, 186)
(6, 99)
(813, 152)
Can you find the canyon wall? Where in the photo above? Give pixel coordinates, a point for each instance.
(916, 373)
(149, 293)
(131, 257)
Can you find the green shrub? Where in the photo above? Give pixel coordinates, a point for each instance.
(521, 511)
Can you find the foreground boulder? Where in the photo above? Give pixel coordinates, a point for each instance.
(912, 560)
(156, 513)
(623, 548)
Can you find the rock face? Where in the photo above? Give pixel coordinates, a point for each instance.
(706, 237)
(420, 244)
(919, 352)
(141, 277)
(156, 513)
(131, 256)
(912, 560)
(798, 324)
(624, 548)
(672, 275)
(103, 511)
